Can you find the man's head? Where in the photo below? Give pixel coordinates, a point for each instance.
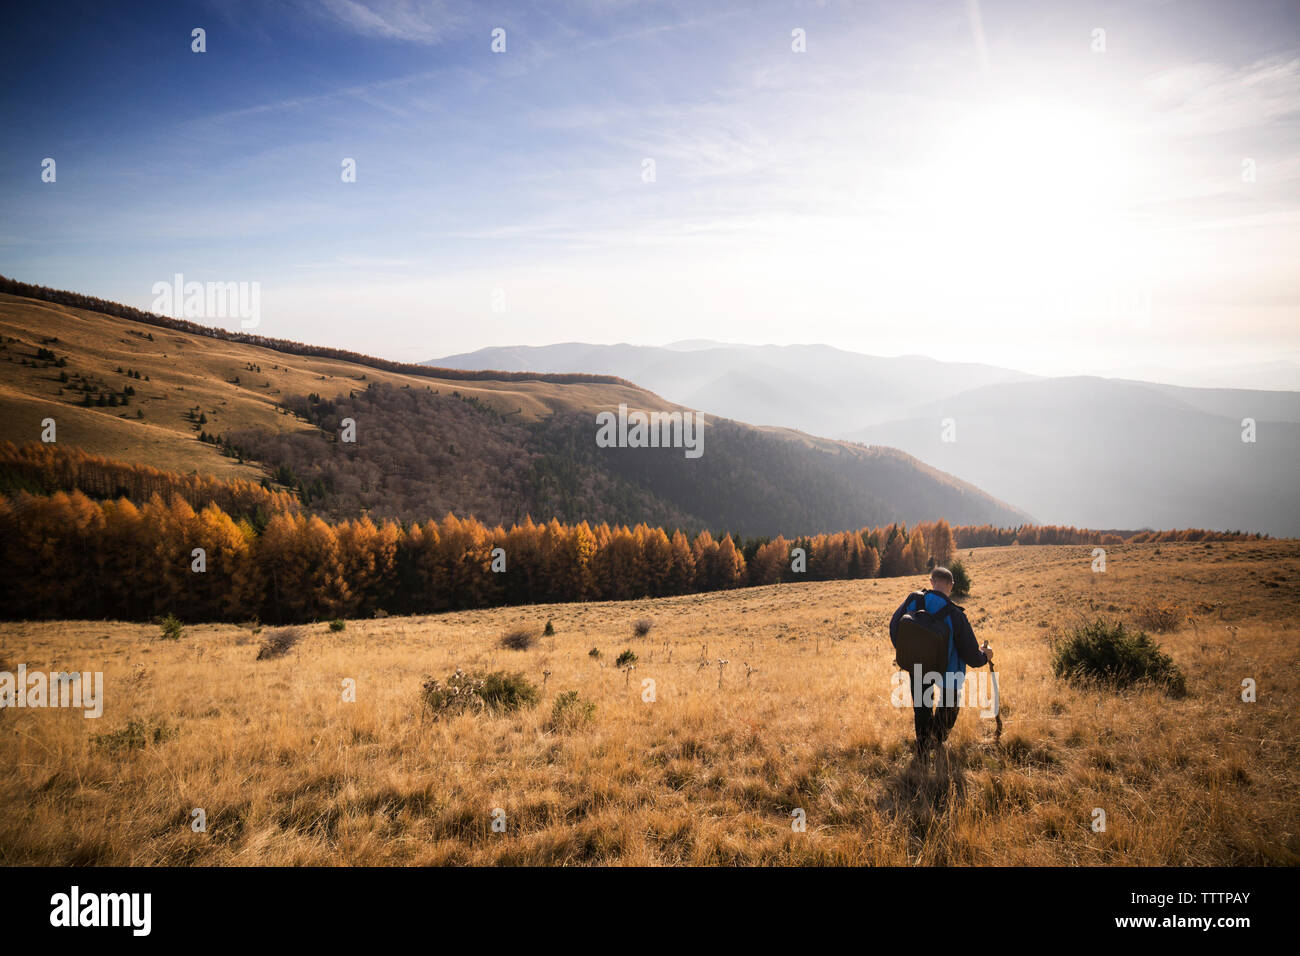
(941, 581)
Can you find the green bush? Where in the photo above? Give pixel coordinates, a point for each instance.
(594, 653)
(1109, 653)
(626, 658)
(570, 712)
(473, 693)
(171, 627)
(549, 631)
(960, 580)
(508, 692)
(337, 625)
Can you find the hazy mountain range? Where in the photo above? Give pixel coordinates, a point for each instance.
(1096, 452)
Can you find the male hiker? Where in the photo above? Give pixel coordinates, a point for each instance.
(945, 664)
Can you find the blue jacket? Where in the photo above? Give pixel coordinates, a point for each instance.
(963, 649)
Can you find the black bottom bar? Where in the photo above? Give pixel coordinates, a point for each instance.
(331, 905)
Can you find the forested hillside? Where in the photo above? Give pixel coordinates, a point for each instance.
(419, 453)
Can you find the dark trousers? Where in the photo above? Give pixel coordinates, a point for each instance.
(933, 724)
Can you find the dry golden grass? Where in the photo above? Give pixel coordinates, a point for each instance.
(187, 370)
(290, 774)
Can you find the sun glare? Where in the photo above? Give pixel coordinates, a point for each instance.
(1030, 201)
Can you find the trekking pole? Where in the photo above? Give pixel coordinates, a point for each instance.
(997, 715)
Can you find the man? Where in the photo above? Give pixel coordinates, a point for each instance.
(932, 728)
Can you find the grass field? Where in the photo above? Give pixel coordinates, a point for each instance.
(186, 371)
(286, 772)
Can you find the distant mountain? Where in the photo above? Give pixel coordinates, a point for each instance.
(814, 388)
(1110, 453)
(1280, 374)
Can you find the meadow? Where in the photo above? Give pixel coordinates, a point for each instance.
(714, 770)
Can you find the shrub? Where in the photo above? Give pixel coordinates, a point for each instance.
(473, 693)
(171, 627)
(278, 642)
(459, 694)
(594, 653)
(549, 630)
(508, 692)
(1110, 653)
(1158, 616)
(520, 639)
(642, 627)
(960, 580)
(626, 658)
(136, 735)
(337, 624)
(570, 712)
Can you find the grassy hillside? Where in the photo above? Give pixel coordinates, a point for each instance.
(708, 773)
(180, 370)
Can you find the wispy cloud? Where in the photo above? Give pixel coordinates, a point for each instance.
(414, 21)
(1204, 99)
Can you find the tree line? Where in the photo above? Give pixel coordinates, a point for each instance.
(44, 469)
(207, 549)
(989, 536)
(68, 555)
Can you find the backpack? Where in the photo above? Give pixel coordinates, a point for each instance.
(923, 638)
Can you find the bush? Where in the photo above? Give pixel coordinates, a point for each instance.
(642, 627)
(960, 580)
(594, 653)
(474, 693)
(1110, 653)
(171, 627)
(626, 658)
(459, 694)
(1158, 616)
(570, 712)
(549, 630)
(519, 639)
(278, 642)
(508, 692)
(337, 625)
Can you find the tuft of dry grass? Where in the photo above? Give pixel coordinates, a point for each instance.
(1159, 616)
(519, 639)
(290, 772)
(278, 642)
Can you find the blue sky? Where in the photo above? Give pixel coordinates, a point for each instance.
(967, 180)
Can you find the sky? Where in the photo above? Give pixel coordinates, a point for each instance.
(1061, 188)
